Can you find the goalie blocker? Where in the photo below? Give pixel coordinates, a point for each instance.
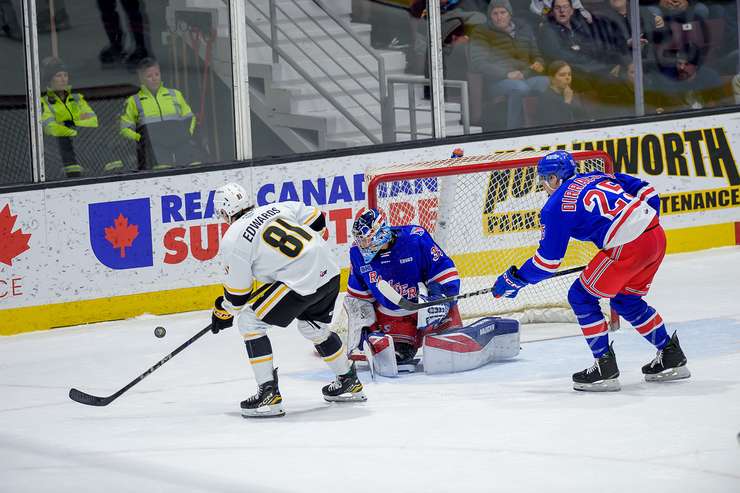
(454, 350)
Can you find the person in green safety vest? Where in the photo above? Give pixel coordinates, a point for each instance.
(160, 120)
(64, 113)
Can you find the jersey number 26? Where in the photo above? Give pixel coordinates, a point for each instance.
(278, 235)
(599, 197)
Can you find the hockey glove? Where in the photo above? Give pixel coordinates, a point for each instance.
(430, 317)
(220, 318)
(508, 284)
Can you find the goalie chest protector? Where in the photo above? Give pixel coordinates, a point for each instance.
(465, 348)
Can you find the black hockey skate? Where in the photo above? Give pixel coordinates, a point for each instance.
(267, 402)
(668, 364)
(603, 376)
(346, 388)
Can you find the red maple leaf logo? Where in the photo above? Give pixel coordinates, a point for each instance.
(12, 243)
(121, 235)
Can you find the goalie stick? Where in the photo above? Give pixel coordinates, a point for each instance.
(398, 300)
(93, 400)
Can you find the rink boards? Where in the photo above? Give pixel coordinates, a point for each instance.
(71, 255)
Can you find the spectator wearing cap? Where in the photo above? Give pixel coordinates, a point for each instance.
(160, 121)
(559, 103)
(505, 51)
(692, 85)
(585, 47)
(64, 113)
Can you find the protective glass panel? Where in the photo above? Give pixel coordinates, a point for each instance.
(15, 139)
(134, 86)
(328, 75)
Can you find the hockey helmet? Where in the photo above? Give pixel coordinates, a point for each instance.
(230, 200)
(371, 232)
(558, 163)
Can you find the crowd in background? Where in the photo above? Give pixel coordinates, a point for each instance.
(544, 62)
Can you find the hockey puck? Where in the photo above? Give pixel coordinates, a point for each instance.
(160, 332)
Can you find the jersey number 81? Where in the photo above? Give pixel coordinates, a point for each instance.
(279, 237)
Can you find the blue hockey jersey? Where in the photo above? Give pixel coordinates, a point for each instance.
(413, 258)
(607, 210)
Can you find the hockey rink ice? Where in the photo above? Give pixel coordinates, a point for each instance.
(516, 426)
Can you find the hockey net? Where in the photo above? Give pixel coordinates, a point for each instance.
(484, 213)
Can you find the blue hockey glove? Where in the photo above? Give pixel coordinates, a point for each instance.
(508, 284)
(220, 318)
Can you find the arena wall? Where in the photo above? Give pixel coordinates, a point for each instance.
(114, 250)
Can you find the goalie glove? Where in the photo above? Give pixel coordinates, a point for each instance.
(220, 318)
(432, 316)
(508, 284)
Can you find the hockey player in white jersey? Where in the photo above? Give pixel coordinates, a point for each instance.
(281, 247)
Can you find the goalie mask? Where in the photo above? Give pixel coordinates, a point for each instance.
(371, 232)
(231, 201)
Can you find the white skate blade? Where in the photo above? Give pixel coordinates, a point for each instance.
(347, 397)
(669, 374)
(608, 385)
(274, 411)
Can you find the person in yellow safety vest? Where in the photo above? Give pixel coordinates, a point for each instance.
(160, 120)
(64, 113)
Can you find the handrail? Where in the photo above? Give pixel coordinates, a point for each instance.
(347, 29)
(342, 67)
(295, 66)
(412, 80)
(343, 91)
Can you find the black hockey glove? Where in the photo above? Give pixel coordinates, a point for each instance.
(220, 318)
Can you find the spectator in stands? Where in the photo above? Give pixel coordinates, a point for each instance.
(584, 47)
(620, 100)
(543, 8)
(160, 120)
(505, 51)
(693, 86)
(677, 22)
(618, 22)
(64, 114)
(559, 103)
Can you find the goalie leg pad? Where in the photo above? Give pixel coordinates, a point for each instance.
(360, 314)
(384, 354)
(465, 348)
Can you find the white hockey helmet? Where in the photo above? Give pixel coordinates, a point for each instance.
(230, 200)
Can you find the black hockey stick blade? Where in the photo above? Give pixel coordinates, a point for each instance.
(395, 297)
(90, 400)
(93, 400)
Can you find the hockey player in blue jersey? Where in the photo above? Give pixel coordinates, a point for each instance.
(404, 256)
(620, 215)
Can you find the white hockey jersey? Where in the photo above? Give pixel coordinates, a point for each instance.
(275, 243)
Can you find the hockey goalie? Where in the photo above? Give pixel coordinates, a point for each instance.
(389, 337)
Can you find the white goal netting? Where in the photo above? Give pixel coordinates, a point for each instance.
(484, 212)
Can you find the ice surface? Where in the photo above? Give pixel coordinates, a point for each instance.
(514, 426)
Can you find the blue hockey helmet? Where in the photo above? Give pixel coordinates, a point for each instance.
(371, 232)
(558, 163)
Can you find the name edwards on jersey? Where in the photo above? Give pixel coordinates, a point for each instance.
(258, 221)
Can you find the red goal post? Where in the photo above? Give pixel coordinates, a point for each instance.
(484, 212)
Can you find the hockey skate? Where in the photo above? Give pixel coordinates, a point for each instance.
(267, 402)
(603, 376)
(668, 364)
(346, 388)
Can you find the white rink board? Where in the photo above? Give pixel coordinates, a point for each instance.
(62, 266)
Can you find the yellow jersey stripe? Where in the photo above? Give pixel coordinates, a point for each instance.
(273, 300)
(313, 216)
(334, 356)
(237, 291)
(261, 359)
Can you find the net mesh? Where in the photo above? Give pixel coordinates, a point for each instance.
(484, 212)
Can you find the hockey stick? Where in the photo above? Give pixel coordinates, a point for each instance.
(394, 297)
(93, 400)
